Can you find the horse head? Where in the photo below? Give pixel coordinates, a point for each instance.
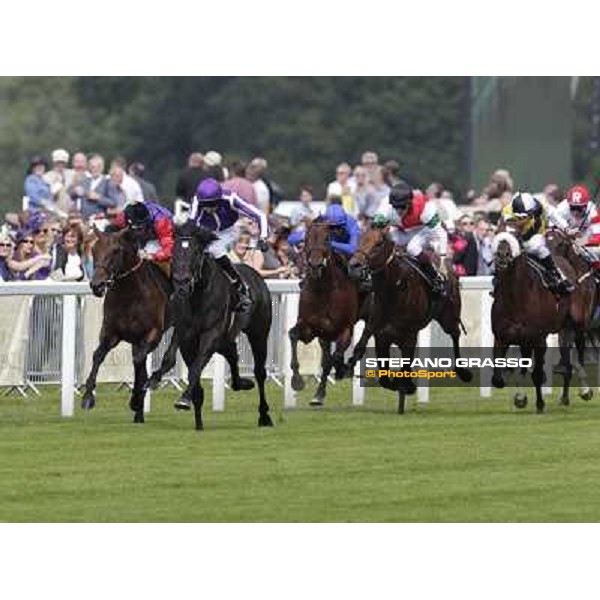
(506, 249)
(191, 242)
(115, 255)
(373, 253)
(317, 248)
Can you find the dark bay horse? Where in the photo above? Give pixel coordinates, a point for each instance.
(135, 310)
(581, 322)
(205, 322)
(525, 311)
(330, 305)
(402, 305)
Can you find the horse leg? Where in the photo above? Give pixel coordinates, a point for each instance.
(106, 345)
(449, 319)
(258, 342)
(407, 386)
(359, 349)
(585, 391)
(341, 345)
(566, 340)
(538, 375)
(166, 364)
(326, 364)
(140, 352)
(520, 397)
(295, 335)
(382, 349)
(230, 352)
(198, 401)
(500, 349)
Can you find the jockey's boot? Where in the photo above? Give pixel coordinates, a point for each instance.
(559, 284)
(438, 283)
(243, 295)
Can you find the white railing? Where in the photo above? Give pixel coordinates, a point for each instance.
(288, 290)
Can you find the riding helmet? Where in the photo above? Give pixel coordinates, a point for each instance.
(578, 195)
(400, 195)
(209, 191)
(137, 215)
(523, 204)
(335, 215)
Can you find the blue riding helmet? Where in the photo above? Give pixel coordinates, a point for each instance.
(335, 215)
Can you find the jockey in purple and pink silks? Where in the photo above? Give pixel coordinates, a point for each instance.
(218, 210)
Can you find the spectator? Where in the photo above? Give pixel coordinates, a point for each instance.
(380, 189)
(60, 179)
(484, 235)
(365, 198)
(136, 171)
(6, 249)
(29, 263)
(213, 163)
(68, 263)
(115, 191)
(370, 161)
(76, 190)
(498, 192)
(302, 215)
(240, 251)
(239, 184)
(391, 173)
(95, 196)
(129, 186)
(255, 174)
(552, 194)
(343, 186)
(270, 264)
(434, 191)
(36, 187)
(89, 239)
(190, 177)
(464, 248)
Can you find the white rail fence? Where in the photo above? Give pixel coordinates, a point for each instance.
(54, 343)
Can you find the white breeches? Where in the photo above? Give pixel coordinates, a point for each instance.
(220, 247)
(536, 246)
(417, 240)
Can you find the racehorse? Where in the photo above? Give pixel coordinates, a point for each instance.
(205, 322)
(135, 310)
(583, 301)
(402, 305)
(330, 305)
(525, 312)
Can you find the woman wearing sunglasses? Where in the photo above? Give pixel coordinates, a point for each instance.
(28, 263)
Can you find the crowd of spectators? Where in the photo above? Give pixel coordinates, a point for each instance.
(52, 236)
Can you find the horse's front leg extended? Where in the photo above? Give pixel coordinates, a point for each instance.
(360, 348)
(140, 352)
(106, 345)
(500, 349)
(295, 334)
(566, 341)
(326, 364)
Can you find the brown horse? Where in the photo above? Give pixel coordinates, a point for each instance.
(402, 305)
(135, 310)
(583, 301)
(330, 305)
(525, 312)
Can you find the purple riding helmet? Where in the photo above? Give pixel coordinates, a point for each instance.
(209, 192)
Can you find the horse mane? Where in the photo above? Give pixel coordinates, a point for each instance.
(203, 235)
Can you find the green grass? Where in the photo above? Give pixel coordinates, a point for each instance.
(461, 459)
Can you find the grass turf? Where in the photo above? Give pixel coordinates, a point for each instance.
(460, 459)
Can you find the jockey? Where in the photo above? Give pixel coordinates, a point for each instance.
(417, 224)
(531, 221)
(575, 213)
(218, 210)
(153, 226)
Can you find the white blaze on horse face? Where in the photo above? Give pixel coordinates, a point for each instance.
(185, 245)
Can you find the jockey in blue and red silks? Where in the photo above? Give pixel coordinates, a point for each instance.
(153, 226)
(218, 210)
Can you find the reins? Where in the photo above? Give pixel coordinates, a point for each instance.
(119, 276)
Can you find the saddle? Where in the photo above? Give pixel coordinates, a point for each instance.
(415, 265)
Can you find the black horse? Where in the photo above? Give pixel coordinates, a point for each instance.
(205, 321)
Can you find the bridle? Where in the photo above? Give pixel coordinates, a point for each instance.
(114, 277)
(187, 286)
(325, 248)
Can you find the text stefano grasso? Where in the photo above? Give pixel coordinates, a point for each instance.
(447, 363)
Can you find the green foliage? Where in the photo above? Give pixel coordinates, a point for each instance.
(304, 126)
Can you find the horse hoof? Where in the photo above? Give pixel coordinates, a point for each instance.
(539, 410)
(464, 374)
(520, 400)
(243, 383)
(265, 421)
(497, 381)
(138, 417)
(297, 382)
(88, 401)
(316, 401)
(586, 394)
(564, 401)
(340, 373)
(408, 387)
(183, 404)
